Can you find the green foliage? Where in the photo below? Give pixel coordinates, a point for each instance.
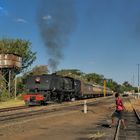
(75, 73)
(127, 86)
(94, 78)
(113, 85)
(20, 88)
(20, 96)
(4, 96)
(39, 70)
(18, 47)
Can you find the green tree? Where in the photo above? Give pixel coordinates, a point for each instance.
(127, 86)
(94, 78)
(38, 70)
(75, 73)
(21, 48)
(113, 85)
(18, 47)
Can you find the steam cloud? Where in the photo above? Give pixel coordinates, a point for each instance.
(56, 20)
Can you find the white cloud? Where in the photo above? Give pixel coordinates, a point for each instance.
(21, 20)
(47, 17)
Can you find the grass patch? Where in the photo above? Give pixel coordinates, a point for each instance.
(136, 102)
(11, 103)
(128, 107)
(96, 135)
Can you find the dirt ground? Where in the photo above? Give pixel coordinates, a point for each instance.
(71, 125)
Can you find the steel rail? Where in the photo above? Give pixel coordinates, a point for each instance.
(117, 132)
(26, 107)
(116, 136)
(8, 117)
(13, 108)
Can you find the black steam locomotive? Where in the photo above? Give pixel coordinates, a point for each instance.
(44, 88)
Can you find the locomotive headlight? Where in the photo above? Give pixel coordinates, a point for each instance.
(37, 80)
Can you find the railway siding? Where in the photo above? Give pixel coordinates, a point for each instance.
(98, 130)
(132, 132)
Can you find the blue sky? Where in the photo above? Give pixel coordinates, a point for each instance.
(104, 37)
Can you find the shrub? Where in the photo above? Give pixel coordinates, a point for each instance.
(4, 96)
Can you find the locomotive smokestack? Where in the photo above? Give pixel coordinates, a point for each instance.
(56, 20)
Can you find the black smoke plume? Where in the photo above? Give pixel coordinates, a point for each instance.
(56, 20)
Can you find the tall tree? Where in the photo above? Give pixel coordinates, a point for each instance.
(127, 86)
(94, 78)
(75, 73)
(18, 47)
(21, 48)
(38, 70)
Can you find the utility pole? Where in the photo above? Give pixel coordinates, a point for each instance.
(138, 77)
(133, 83)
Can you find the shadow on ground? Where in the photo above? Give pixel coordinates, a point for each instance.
(105, 125)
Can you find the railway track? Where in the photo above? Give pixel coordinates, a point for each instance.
(10, 109)
(132, 132)
(4, 117)
(13, 108)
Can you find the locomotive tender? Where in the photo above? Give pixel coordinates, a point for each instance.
(51, 87)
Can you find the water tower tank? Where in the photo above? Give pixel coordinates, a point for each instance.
(10, 61)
